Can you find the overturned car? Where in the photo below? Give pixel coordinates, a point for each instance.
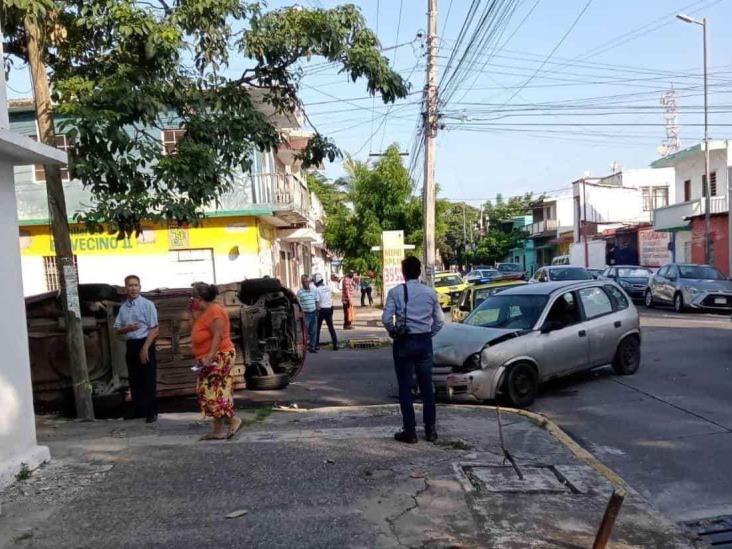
(267, 329)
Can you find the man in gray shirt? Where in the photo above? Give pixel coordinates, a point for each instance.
(137, 320)
(413, 316)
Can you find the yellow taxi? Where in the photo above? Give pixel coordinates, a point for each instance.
(473, 296)
(449, 287)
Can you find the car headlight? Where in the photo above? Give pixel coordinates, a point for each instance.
(693, 291)
(473, 362)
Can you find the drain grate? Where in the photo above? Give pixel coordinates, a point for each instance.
(538, 479)
(716, 531)
(365, 343)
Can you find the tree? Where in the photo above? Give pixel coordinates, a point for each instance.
(461, 222)
(123, 70)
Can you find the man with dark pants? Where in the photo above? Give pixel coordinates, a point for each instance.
(308, 298)
(137, 320)
(413, 316)
(325, 310)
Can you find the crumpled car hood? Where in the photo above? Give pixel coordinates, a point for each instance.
(456, 342)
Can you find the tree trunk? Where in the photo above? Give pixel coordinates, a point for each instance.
(76, 352)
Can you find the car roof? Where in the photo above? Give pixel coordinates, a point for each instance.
(498, 284)
(557, 267)
(548, 288)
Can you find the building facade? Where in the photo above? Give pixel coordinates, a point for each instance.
(268, 224)
(683, 218)
(551, 228)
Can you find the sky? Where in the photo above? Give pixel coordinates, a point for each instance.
(560, 89)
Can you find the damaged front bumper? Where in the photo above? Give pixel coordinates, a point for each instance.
(480, 384)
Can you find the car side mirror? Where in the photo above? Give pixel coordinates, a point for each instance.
(551, 326)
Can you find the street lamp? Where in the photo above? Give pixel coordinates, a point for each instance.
(706, 186)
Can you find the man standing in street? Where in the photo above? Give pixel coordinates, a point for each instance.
(366, 289)
(307, 296)
(413, 316)
(347, 300)
(325, 310)
(137, 320)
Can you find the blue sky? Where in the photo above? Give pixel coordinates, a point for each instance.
(511, 125)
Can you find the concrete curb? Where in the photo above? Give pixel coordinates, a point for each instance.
(538, 419)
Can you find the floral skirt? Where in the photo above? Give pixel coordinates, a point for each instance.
(216, 386)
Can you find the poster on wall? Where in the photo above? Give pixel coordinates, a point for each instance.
(653, 248)
(392, 245)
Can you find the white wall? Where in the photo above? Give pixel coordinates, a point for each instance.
(683, 247)
(17, 420)
(692, 168)
(565, 213)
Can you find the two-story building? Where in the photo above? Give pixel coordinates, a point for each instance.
(268, 224)
(551, 228)
(684, 217)
(618, 210)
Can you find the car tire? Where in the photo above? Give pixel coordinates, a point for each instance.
(522, 385)
(648, 299)
(267, 383)
(679, 305)
(627, 356)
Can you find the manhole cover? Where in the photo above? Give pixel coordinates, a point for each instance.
(540, 479)
(716, 531)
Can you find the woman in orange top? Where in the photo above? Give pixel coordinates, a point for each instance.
(214, 351)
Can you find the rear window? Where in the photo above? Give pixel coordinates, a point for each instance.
(570, 273)
(510, 267)
(621, 302)
(452, 280)
(595, 302)
(633, 273)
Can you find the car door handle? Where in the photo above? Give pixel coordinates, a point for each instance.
(582, 333)
(618, 324)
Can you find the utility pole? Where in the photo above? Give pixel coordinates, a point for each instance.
(430, 132)
(76, 352)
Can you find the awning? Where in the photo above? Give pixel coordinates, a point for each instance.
(304, 235)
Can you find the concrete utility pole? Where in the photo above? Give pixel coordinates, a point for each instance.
(76, 352)
(707, 183)
(430, 132)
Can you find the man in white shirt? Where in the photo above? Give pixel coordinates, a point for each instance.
(325, 309)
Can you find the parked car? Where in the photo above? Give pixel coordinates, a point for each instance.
(559, 273)
(267, 329)
(689, 286)
(524, 336)
(511, 271)
(449, 286)
(473, 296)
(561, 260)
(596, 273)
(482, 276)
(631, 278)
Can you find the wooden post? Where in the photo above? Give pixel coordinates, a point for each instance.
(60, 227)
(608, 520)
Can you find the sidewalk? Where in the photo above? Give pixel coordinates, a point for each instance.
(332, 477)
(367, 325)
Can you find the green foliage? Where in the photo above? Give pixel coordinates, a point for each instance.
(461, 231)
(124, 70)
(371, 199)
(24, 473)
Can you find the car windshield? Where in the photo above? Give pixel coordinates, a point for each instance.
(451, 280)
(510, 267)
(701, 272)
(508, 311)
(570, 273)
(633, 273)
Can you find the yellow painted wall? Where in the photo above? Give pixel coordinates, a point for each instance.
(220, 234)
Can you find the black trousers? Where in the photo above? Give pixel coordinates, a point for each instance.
(326, 315)
(142, 378)
(413, 355)
(366, 292)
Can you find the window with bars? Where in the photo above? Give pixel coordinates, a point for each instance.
(171, 137)
(50, 272)
(712, 184)
(654, 197)
(61, 142)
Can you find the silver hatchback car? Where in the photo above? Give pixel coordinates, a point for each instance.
(527, 335)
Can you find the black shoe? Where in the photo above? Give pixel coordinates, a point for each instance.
(151, 419)
(313, 351)
(335, 347)
(410, 437)
(430, 435)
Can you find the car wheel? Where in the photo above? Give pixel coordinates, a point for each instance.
(627, 357)
(267, 383)
(648, 299)
(522, 385)
(679, 305)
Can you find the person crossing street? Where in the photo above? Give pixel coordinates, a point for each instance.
(325, 310)
(413, 316)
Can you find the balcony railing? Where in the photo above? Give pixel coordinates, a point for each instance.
(541, 227)
(675, 216)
